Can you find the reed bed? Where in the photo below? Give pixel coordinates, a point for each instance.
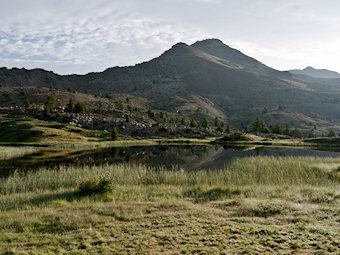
(7, 152)
(253, 171)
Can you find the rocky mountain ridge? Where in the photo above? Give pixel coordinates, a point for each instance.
(207, 78)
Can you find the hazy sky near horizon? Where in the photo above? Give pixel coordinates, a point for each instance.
(80, 36)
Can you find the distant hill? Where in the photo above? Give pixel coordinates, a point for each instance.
(317, 73)
(207, 78)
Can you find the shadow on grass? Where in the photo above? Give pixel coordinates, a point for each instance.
(38, 200)
(14, 131)
(216, 193)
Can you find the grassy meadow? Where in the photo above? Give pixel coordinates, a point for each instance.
(257, 205)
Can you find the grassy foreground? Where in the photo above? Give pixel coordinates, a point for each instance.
(257, 205)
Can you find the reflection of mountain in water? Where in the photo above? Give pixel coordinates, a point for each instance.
(186, 157)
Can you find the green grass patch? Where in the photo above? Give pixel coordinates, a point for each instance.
(201, 195)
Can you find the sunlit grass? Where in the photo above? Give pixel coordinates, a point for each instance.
(7, 152)
(253, 171)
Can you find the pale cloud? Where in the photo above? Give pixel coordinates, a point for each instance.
(81, 36)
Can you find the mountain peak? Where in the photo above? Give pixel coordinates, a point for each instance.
(317, 73)
(179, 45)
(213, 42)
(179, 49)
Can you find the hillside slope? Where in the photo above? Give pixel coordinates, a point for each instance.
(207, 78)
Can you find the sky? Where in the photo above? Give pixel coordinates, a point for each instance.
(81, 36)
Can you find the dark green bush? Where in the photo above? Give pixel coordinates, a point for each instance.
(95, 186)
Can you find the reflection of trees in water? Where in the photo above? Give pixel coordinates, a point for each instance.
(186, 156)
(259, 151)
(115, 152)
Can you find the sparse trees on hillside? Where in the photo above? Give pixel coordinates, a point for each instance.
(76, 107)
(227, 129)
(296, 133)
(27, 104)
(260, 126)
(71, 105)
(193, 123)
(51, 101)
(216, 122)
(276, 129)
(206, 122)
(331, 133)
(80, 107)
(128, 118)
(286, 131)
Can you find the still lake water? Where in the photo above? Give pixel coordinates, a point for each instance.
(186, 157)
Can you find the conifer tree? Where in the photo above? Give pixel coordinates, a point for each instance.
(114, 134)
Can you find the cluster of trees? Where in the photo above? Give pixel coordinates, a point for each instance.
(163, 117)
(260, 126)
(76, 107)
(50, 104)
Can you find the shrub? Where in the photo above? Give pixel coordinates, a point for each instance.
(94, 186)
(268, 209)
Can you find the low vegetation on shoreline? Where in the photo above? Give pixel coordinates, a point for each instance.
(258, 204)
(7, 152)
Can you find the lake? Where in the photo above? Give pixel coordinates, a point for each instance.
(187, 157)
